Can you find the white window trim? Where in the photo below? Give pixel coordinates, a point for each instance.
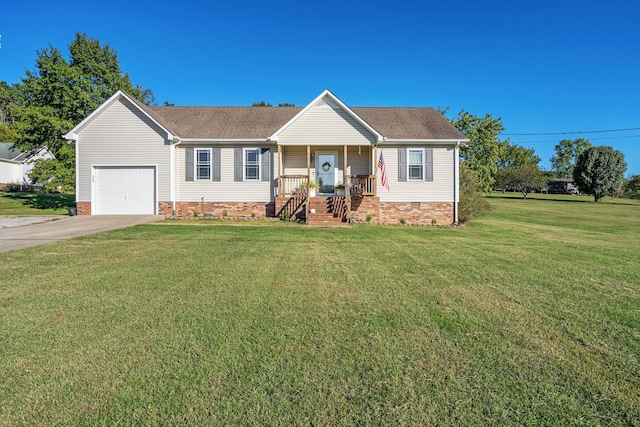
(195, 164)
(424, 164)
(244, 164)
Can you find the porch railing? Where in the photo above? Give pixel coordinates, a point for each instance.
(362, 185)
(289, 185)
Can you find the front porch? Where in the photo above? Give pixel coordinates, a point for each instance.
(323, 183)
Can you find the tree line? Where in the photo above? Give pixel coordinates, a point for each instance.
(498, 164)
(59, 93)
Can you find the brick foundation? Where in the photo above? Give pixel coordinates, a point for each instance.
(413, 213)
(416, 213)
(242, 210)
(361, 207)
(83, 208)
(165, 208)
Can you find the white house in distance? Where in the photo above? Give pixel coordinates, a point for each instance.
(15, 165)
(260, 162)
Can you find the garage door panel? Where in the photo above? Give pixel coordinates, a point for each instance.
(125, 190)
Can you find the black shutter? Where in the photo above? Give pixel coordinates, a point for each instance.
(237, 164)
(402, 165)
(429, 164)
(188, 164)
(215, 164)
(265, 169)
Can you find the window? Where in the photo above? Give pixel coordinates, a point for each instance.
(252, 164)
(416, 164)
(203, 164)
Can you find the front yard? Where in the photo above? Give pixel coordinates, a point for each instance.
(35, 203)
(529, 316)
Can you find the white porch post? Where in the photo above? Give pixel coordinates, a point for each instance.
(308, 182)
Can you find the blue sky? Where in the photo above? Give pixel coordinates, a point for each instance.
(543, 66)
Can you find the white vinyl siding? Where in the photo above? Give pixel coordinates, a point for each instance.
(324, 124)
(227, 189)
(120, 136)
(441, 189)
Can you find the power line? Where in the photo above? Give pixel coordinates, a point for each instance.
(568, 133)
(590, 139)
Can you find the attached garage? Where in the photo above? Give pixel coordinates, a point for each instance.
(124, 190)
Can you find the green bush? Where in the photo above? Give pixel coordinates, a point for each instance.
(472, 202)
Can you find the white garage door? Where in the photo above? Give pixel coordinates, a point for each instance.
(125, 190)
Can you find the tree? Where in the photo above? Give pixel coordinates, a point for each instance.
(7, 99)
(516, 155)
(484, 150)
(58, 172)
(599, 171)
(59, 93)
(567, 152)
(632, 187)
(521, 178)
(472, 202)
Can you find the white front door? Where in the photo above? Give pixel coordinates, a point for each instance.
(125, 190)
(326, 172)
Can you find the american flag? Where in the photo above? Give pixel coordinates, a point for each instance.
(383, 172)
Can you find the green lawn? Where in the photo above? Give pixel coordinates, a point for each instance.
(35, 203)
(530, 316)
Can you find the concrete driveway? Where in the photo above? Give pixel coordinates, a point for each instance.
(67, 227)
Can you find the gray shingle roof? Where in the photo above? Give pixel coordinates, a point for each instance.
(262, 122)
(224, 122)
(409, 122)
(7, 152)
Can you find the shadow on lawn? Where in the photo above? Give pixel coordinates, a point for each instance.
(546, 198)
(45, 200)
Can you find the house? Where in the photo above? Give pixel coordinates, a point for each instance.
(15, 165)
(260, 162)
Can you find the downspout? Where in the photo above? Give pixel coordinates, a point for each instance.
(456, 183)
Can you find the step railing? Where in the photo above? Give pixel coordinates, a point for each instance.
(295, 205)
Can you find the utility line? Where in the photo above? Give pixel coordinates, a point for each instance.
(568, 133)
(590, 139)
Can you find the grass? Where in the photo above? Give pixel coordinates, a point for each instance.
(528, 317)
(35, 203)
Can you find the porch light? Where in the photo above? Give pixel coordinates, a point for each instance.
(359, 150)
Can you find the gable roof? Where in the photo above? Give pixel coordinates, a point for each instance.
(264, 123)
(11, 154)
(7, 152)
(330, 99)
(72, 134)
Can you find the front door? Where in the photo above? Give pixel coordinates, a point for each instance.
(326, 172)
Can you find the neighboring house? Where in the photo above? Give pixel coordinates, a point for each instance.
(16, 165)
(257, 161)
